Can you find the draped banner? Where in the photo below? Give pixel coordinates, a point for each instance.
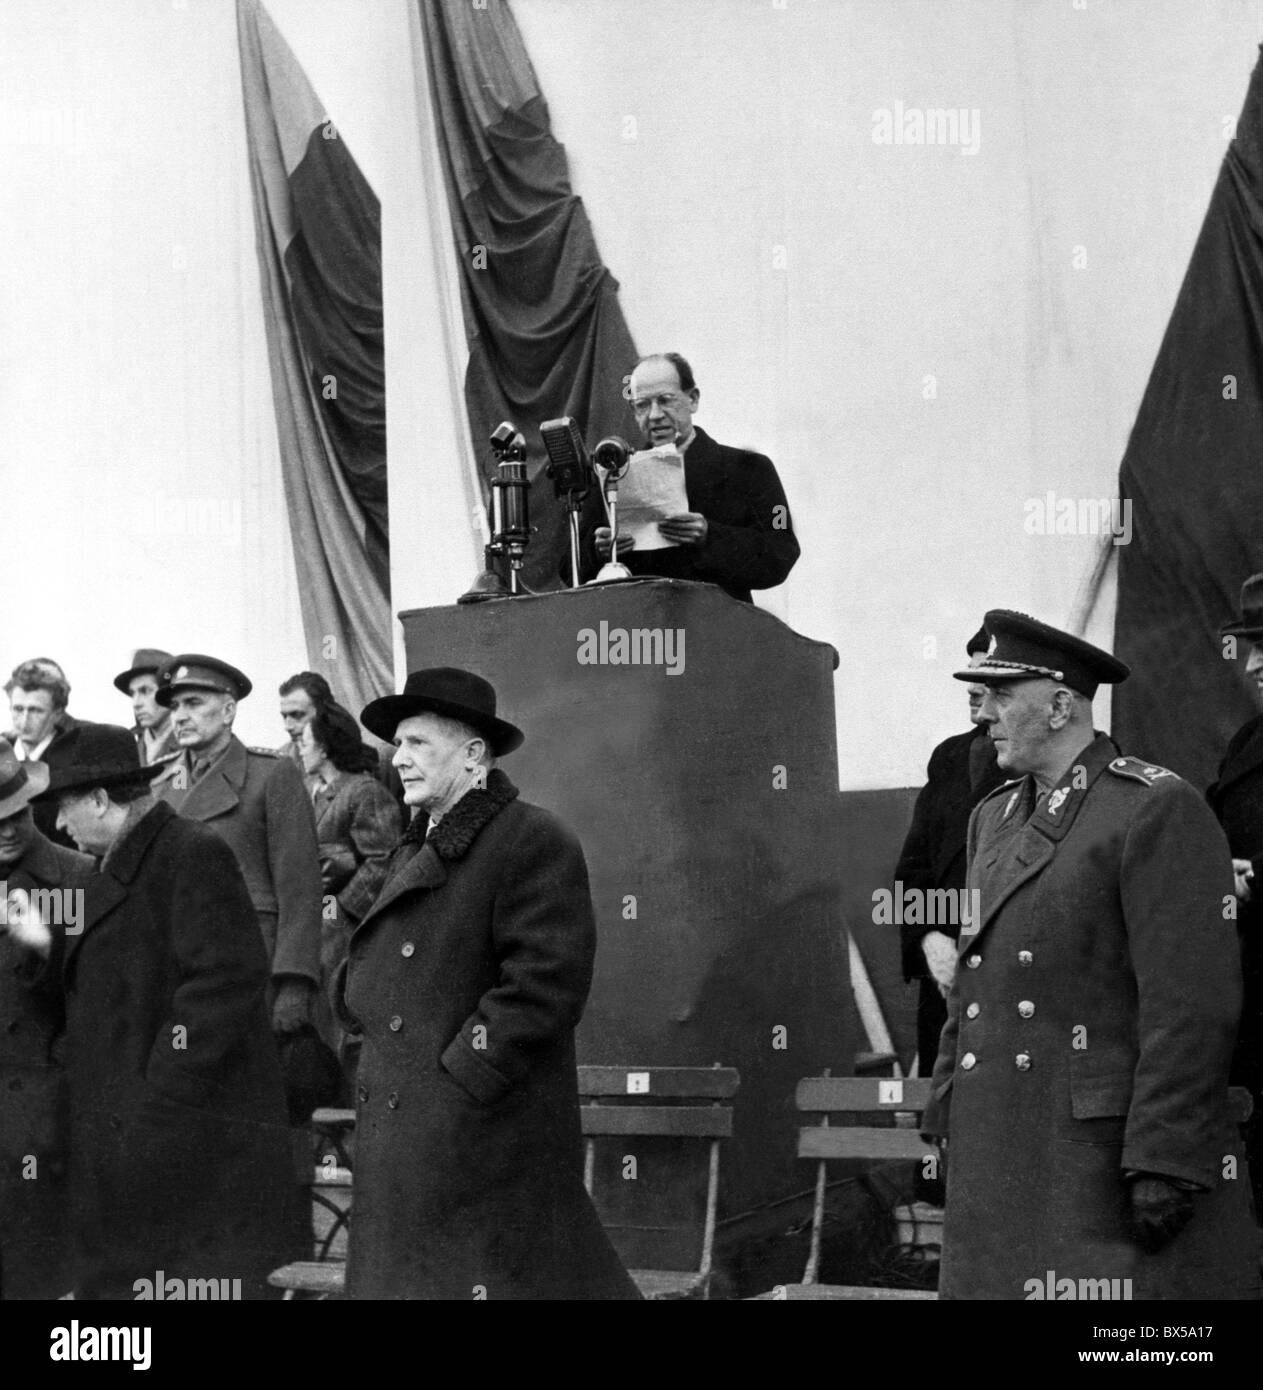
(1193, 473)
(318, 235)
(545, 330)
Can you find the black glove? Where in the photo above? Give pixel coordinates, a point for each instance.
(1159, 1211)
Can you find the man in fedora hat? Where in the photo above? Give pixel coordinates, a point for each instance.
(34, 1259)
(1236, 795)
(155, 738)
(179, 1146)
(466, 979)
(1082, 1076)
(254, 800)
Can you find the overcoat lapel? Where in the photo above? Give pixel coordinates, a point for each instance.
(219, 790)
(424, 870)
(105, 889)
(1022, 848)
(1243, 762)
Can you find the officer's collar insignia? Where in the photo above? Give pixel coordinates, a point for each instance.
(1008, 810)
(1055, 800)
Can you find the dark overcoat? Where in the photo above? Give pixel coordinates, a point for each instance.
(180, 1144)
(1237, 798)
(962, 770)
(255, 800)
(467, 978)
(34, 1253)
(1089, 1033)
(750, 541)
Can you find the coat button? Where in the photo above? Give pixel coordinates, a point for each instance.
(974, 961)
(1023, 1061)
(393, 1100)
(1026, 1009)
(396, 1024)
(972, 1011)
(968, 1062)
(1024, 957)
(407, 949)
(363, 1094)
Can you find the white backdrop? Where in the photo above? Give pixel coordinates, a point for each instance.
(725, 152)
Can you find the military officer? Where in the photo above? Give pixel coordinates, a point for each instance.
(1082, 1077)
(257, 802)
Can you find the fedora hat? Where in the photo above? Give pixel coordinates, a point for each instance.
(1250, 623)
(146, 661)
(444, 690)
(20, 782)
(101, 755)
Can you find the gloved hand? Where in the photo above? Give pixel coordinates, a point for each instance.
(292, 1009)
(1159, 1211)
(940, 956)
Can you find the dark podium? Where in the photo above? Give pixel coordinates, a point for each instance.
(706, 801)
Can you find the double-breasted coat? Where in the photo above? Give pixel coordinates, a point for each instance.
(467, 978)
(1089, 1034)
(179, 1139)
(34, 1254)
(257, 803)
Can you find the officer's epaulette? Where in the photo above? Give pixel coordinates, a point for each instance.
(1139, 770)
(262, 752)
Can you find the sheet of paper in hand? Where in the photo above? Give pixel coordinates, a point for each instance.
(651, 490)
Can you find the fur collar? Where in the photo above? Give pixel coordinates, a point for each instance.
(458, 829)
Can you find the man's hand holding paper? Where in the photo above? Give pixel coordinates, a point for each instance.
(653, 505)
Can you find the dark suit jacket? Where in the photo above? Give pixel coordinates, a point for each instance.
(257, 802)
(750, 541)
(933, 854)
(180, 1144)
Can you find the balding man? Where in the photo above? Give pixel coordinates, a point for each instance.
(737, 532)
(1082, 1076)
(256, 801)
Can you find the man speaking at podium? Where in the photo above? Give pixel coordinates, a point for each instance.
(737, 532)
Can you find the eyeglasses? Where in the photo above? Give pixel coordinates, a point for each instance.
(669, 400)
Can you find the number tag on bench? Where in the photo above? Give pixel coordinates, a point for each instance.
(890, 1092)
(637, 1083)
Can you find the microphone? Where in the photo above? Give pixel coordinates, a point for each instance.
(568, 464)
(613, 455)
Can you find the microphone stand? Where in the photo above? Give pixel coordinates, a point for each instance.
(613, 569)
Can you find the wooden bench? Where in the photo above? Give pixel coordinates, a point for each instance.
(663, 1102)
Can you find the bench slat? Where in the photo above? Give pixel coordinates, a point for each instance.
(815, 1141)
(695, 1121)
(827, 1093)
(708, 1083)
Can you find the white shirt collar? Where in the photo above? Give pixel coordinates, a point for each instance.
(36, 753)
